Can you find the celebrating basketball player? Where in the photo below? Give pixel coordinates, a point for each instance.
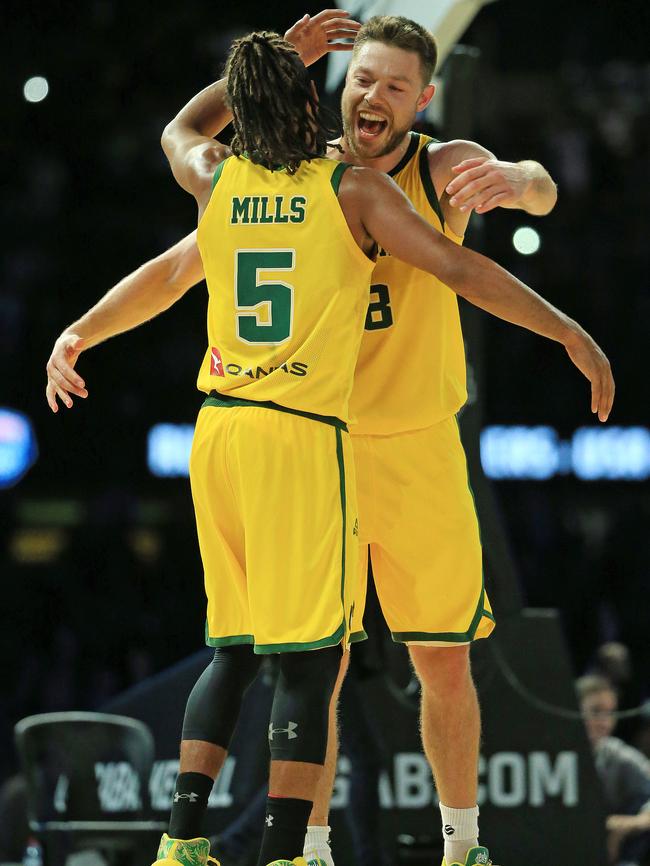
(288, 242)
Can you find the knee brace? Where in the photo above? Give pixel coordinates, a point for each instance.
(300, 714)
(213, 705)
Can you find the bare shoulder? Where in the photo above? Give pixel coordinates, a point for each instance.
(363, 182)
(208, 155)
(201, 163)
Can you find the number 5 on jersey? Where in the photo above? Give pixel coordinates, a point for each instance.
(264, 307)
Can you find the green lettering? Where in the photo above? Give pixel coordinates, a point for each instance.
(265, 217)
(298, 203)
(273, 301)
(256, 204)
(240, 207)
(279, 216)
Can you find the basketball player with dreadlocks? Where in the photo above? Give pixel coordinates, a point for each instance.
(288, 241)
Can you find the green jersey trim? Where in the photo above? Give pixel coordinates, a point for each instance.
(429, 189)
(408, 156)
(332, 640)
(217, 172)
(231, 640)
(268, 648)
(279, 167)
(358, 636)
(224, 401)
(340, 459)
(337, 174)
(447, 636)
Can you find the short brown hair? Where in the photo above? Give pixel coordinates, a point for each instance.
(400, 32)
(593, 684)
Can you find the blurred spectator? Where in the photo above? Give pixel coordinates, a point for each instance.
(624, 773)
(613, 663)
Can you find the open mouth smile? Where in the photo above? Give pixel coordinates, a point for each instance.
(370, 125)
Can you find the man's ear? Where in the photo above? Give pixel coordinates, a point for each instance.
(426, 96)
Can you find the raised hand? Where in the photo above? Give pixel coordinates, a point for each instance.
(315, 37)
(61, 377)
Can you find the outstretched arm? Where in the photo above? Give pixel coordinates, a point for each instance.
(474, 179)
(188, 140)
(389, 217)
(140, 296)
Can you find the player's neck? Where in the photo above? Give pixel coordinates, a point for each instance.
(384, 163)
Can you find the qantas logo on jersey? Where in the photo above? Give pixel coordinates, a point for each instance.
(295, 368)
(255, 210)
(218, 368)
(216, 364)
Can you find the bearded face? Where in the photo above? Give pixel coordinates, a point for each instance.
(382, 95)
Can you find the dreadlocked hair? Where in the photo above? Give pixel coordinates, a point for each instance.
(277, 118)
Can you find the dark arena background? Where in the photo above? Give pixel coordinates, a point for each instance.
(102, 591)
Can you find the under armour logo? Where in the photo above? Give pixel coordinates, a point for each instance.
(192, 797)
(449, 830)
(289, 731)
(483, 858)
(269, 820)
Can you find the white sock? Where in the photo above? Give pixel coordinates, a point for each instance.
(317, 844)
(460, 832)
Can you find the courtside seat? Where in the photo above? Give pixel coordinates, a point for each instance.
(87, 778)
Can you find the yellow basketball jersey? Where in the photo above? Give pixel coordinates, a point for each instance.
(288, 287)
(411, 368)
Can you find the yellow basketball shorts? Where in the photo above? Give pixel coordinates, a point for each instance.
(417, 517)
(275, 501)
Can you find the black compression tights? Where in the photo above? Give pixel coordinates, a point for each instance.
(299, 718)
(214, 702)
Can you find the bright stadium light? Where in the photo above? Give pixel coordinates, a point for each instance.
(520, 452)
(590, 454)
(526, 241)
(36, 89)
(18, 448)
(168, 450)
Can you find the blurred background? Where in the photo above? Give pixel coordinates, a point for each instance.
(102, 583)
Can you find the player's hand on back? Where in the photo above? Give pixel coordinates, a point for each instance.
(62, 380)
(482, 184)
(592, 362)
(313, 37)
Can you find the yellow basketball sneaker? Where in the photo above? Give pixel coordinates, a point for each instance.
(477, 856)
(187, 852)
